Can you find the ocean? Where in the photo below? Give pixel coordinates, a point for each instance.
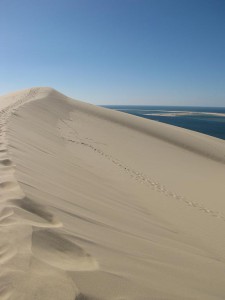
(207, 120)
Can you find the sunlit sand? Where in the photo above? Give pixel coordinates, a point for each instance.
(98, 204)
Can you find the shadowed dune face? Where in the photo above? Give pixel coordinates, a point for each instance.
(95, 204)
(83, 297)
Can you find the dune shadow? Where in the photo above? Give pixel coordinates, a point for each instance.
(56, 250)
(86, 297)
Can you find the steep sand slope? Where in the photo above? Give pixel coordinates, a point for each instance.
(97, 204)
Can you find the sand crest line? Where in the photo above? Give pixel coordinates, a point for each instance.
(8, 181)
(16, 210)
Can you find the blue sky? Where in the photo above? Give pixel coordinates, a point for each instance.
(156, 52)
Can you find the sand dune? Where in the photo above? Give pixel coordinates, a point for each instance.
(97, 204)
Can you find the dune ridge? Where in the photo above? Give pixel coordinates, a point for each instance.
(19, 211)
(97, 204)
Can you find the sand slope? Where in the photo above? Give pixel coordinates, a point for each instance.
(97, 204)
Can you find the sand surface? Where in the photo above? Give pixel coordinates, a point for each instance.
(96, 204)
(185, 113)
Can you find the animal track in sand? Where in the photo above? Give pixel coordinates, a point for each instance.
(71, 135)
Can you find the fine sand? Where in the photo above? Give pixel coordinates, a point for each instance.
(96, 204)
(185, 113)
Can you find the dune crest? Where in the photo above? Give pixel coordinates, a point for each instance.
(20, 212)
(97, 204)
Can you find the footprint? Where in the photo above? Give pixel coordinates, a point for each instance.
(5, 292)
(56, 250)
(42, 282)
(6, 253)
(8, 184)
(5, 213)
(34, 213)
(86, 297)
(6, 162)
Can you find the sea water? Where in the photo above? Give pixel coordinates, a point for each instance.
(201, 119)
